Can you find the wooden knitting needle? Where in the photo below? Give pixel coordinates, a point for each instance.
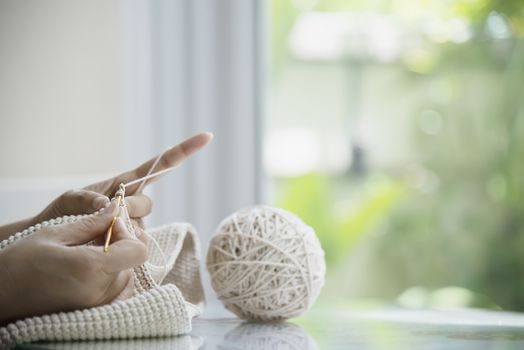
(120, 198)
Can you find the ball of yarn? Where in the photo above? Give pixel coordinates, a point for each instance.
(266, 264)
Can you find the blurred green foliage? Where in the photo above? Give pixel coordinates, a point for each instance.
(314, 198)
(469, 230)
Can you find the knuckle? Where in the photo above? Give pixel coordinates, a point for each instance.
(76, 195)
(164, 162)
(85, 196)
(184, 152)
(69, 194)
(62, 202)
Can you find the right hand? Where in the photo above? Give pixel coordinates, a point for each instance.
(53, 270)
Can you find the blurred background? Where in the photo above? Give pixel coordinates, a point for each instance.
(394, 128)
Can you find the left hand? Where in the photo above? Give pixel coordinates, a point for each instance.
(78, 202)
(172, 157)
(95, 196)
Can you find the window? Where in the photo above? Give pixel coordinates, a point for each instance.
(395, 129)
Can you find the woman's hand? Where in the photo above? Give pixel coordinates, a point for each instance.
(53, 270)
(172, 157)
(78, 202)
(96, 196)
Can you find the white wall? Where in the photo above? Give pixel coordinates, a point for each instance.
(60, 98)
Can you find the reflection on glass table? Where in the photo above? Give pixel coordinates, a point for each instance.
(282, 335)
(184, 342)
(340, 329)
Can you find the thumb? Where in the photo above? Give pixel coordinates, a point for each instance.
(86, 229)
(80, 202)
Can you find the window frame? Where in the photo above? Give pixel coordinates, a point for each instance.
(190, 66)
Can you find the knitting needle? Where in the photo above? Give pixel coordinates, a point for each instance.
(119, 195)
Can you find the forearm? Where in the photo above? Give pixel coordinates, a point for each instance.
(8, 303)
(9, 229)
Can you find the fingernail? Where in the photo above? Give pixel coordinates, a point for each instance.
(101, 202)
(210, 134)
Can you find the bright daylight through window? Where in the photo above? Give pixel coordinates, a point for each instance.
(393, 129)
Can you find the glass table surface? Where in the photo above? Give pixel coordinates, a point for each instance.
(370, 329)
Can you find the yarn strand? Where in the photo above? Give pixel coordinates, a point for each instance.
(142, 181)
(147, 177)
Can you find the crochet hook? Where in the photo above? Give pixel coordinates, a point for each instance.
(120, 196)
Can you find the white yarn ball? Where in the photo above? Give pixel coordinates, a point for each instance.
(266, 264)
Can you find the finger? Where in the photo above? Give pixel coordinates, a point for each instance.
(120, 231)
(139, 222)
(122, 234)
(143, 236)
(138, 205)
(76, 202)
(125, 251)
(170, 158)
(85, 229)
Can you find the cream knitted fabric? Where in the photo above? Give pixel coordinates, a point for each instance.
(183, 342)
(160, 306)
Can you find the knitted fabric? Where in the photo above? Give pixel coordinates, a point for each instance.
(183, 342)
(160, 306)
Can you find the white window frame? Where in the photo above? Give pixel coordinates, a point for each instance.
(189, 66)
